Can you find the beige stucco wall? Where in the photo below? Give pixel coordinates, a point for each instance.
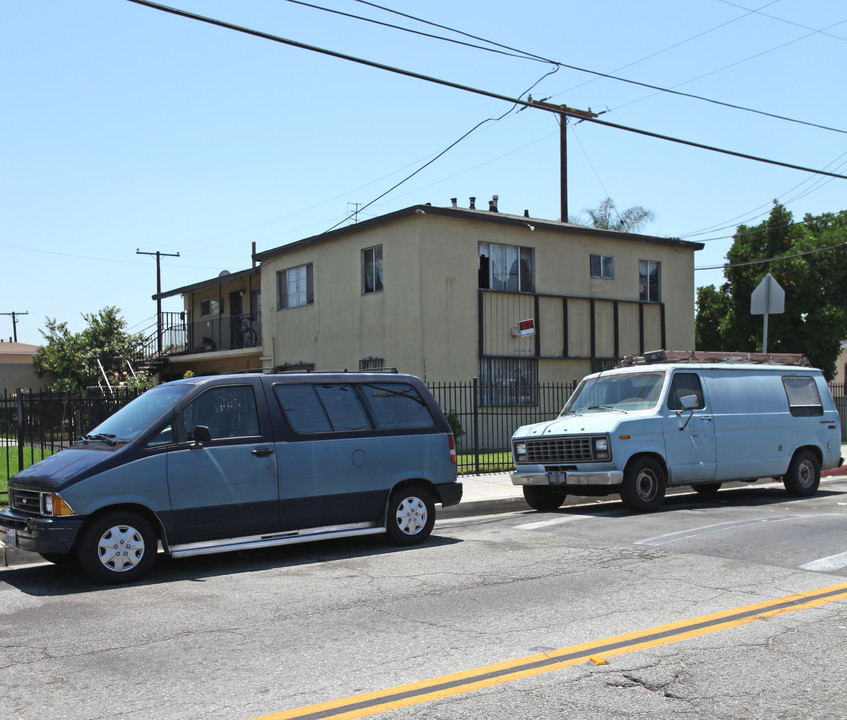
(426, 319)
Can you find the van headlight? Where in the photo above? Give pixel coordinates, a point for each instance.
(53, 504)
(602, 451)
(520, 451)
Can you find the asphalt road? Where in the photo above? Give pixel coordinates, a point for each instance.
(730, 609)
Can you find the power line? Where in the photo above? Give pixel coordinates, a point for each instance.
(515, 52)
(775, 259)
(562, 110)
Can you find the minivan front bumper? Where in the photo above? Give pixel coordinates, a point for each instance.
(38, 534)
(567, 477)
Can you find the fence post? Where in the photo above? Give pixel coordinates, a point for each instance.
(20, 404)
(476, 424)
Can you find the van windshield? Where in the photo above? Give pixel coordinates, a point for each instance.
(131, 419)
(620, 393)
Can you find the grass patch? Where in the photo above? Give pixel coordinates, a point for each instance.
(9, 463)
(488, 462)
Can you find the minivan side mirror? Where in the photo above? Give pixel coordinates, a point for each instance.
(202, 434)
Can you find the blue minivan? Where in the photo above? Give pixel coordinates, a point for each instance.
(233, 462)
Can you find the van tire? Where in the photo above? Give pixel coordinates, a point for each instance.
(543, 497)
(804, 475)
(644, 483)
(411, 515)
(109, 532)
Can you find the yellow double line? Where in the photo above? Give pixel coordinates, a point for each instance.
(359, 706)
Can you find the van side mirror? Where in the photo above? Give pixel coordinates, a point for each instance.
(202, 434)
(688, 402)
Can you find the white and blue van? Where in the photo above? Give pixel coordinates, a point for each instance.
(234, 462)
(661, 421)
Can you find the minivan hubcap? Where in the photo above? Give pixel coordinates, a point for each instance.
(411, 515)
(120, 548)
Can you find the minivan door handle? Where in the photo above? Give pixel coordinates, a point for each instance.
(263, 451)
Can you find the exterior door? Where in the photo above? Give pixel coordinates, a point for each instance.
(690, 448)
(227, 486)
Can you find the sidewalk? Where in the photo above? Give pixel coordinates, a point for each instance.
(482, 495)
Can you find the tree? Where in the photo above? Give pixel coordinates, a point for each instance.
(607, 217)
(65, 355)
(809, 261)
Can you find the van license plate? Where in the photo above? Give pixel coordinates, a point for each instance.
(557, 478)
(11, 537)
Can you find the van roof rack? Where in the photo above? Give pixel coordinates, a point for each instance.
(704, 356)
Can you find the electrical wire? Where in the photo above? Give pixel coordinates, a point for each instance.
(775, 259)
(458, 86)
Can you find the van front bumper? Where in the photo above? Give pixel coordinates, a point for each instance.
(567, 477)
(38, 534)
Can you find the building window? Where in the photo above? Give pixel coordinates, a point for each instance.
(649, 280)
(295, 287)
(603, 266)
(371, 363)
(210, 307)
(507, 268)
(508, 382)
(372, 270)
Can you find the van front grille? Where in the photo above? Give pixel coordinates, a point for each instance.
(559, 450)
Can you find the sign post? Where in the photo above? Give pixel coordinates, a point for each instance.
(767, 299)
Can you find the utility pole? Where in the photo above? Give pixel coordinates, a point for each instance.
(159, 256)
(15, 323)
(564, 113)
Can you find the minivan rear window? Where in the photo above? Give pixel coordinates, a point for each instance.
(397, 406)
(803, 396)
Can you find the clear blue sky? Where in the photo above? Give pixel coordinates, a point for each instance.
(126, 128)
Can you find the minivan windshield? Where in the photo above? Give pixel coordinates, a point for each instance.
(617, 392)
(131, 419)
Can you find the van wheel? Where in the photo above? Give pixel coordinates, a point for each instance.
(117, 547)
(544, 497)
(804, 475)
(643, 488)
(411, 515)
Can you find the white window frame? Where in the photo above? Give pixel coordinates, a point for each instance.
(602, 266)
(510, 268)
(372, 270)
(646, 269)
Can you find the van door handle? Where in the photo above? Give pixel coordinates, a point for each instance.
(263, 451)
(706, 418)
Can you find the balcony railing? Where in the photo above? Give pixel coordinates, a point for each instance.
(182, 334)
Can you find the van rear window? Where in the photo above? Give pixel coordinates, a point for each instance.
(803, 397)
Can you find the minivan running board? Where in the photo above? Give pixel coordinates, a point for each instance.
(273, 539)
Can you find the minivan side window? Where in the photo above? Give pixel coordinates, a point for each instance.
(685, 384)
(803, 397)
(397, 406)
(331, 407)
(228, 412)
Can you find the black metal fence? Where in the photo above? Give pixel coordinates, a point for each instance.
(35, 425)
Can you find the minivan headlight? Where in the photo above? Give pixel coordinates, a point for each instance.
(602, 451)
(53, 504)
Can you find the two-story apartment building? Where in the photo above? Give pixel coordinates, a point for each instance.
(450, 293)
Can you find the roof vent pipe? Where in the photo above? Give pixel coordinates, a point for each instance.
(454, 201)
(526, 213)
(473, 203)
(492, 204)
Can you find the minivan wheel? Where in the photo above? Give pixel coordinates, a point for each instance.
(411, 515)
(643, 488)
(804, 475)
(117, 547)
(543, 497)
